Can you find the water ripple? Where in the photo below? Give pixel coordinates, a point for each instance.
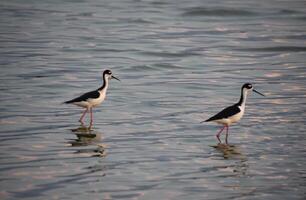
(179, 63)
(219, 12)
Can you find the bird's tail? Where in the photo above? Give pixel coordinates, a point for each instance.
(208, 120)
(67, 102)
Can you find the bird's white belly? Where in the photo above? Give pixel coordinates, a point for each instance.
(235, 118)
(83, 104)
(232, 119)
(91, 102)
(96, 102)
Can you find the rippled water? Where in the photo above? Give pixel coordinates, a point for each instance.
(180, 62)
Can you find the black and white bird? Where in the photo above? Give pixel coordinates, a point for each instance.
(232, 113)
(93, 98)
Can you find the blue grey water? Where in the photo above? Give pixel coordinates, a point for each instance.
(179, 62)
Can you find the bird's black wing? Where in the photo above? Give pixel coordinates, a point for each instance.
(93, 94)
(225, 113)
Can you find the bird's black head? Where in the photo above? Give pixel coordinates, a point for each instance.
(247, 86)
(108, 72)
(109, 75)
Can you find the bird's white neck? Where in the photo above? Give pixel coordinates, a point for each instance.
(244, 94)
(104, 87)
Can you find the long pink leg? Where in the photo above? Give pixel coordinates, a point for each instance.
(91, 117)
(218, 134)
(84, 113)
(226, 134)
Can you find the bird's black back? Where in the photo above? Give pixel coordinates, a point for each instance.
(225, 113)
(93, 94)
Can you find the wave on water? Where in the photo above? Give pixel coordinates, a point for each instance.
(170, 54)
(275, 49)
(201, 11)
(233, 12)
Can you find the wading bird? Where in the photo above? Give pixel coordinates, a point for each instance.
(232, 113)
(93, 98)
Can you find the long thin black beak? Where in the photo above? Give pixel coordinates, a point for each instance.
(258, 92)
(115, 78)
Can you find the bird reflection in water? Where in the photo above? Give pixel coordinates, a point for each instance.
(86, 136)
(232, 152)
(228, 151)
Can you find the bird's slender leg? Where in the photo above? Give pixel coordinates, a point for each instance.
(226, 136)
(91, 117)
(218, 134)
(84, 113)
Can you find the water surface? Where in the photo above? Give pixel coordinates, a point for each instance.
(180, 62)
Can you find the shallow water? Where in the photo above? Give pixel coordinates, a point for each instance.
(180, 62)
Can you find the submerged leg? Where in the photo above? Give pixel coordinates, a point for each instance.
(226, 136)
(84, 113)
(91, 117)
(218, 134)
